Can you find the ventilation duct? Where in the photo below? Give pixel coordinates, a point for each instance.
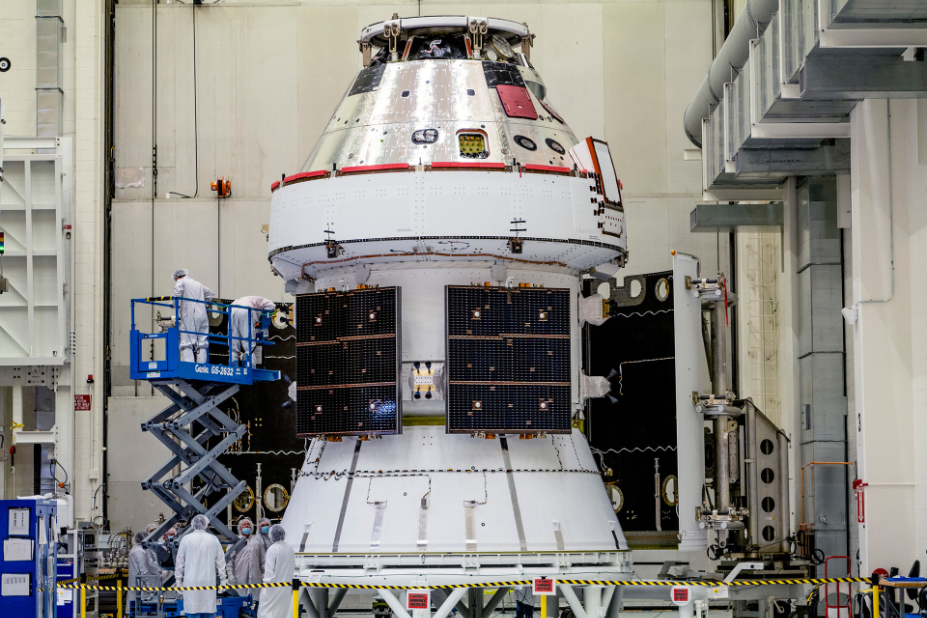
(731, 58)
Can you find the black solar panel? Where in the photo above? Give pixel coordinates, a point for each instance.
(508, 360)
(347, 363)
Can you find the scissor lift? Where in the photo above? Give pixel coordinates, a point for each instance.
(195, 390)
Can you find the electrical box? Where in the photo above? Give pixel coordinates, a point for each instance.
(28, 564)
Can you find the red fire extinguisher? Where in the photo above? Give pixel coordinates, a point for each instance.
(858, 486)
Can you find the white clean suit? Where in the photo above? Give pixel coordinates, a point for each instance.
(143, 571)
(192, 317)
(279, 567)
(240, 319)
(199, 560)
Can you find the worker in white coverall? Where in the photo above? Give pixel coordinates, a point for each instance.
(279, 568)
(143, 571)
(248, 563)
(199, 561)
(264, 529)
(240, 327)
(192, 317)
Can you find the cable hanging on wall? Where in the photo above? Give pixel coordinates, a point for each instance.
(196, 146)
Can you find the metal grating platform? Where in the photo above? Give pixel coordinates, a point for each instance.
(508, 360)
(347, 363)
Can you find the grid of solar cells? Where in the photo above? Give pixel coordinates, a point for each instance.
(347, 362)
(508, 360)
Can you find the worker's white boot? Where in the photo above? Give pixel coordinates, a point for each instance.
(186, 355)
(202, 355)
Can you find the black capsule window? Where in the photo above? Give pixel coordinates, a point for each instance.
(555, 146)
(525, 143)
(405, 93)
(471, 92)
(425, 136)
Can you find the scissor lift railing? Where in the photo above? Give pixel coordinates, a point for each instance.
(196, 390)
(170, 366)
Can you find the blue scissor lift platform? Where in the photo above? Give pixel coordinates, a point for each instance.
(195, 390)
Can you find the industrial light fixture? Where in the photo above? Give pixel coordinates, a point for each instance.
(222, 187)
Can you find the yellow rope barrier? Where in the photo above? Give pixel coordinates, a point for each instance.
(571, 582)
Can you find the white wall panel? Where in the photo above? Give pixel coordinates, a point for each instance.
(635, 121)
(687, 56)
(130, 506)
(17, 31)
(185, 236)
(889, 367)
(658, 225)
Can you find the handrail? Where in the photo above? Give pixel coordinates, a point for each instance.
(212, 307)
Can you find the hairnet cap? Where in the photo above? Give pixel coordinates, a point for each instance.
(140, 536)
(200, 522)
(277, 533)
(151, 528)
(263, 521)
(244, 522)
(180, 272)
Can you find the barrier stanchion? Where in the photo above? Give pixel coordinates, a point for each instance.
(83, 595)
(119, 598)
(296, 585)
(875, 595)
(543, 606)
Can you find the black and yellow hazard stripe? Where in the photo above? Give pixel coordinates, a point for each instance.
(526, 582)
(93, 577)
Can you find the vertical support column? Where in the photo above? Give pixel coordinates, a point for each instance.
(475, 602)
(88, 245)
(320, 600)
(258, 490)
(592, 599)
(821, 364)
(719, 388)
(690, 434)
(553, 606)
(614, 608)
(17, 407)
(30, 284)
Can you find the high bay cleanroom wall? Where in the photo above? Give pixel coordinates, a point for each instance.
(267, 77)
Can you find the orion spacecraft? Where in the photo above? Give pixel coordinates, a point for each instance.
(435, 242)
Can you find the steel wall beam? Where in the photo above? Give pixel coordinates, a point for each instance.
(778, 162)
(711, 217)
(861, 76)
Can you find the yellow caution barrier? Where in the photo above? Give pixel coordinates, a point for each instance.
(525, 582)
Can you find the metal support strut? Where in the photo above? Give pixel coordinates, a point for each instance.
(194, 405)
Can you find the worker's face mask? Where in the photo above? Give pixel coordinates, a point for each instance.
(265, 530)
(246, 531)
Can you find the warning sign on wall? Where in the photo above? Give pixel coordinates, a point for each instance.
(81, 402)
(545, 587)
(418, 599)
